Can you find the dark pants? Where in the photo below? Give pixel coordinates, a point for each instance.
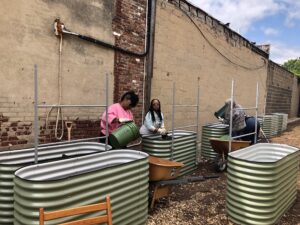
(250, 128)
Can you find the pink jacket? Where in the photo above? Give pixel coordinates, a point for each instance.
(114, 111)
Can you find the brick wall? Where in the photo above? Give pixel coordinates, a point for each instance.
(279, 89)
(84, 66)
(80, 129)
(15, 123)
(188, 53)
(16, 126)
(130, 23)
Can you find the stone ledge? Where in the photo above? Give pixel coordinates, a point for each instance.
(293, 120)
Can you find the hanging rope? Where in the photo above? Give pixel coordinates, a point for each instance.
(59, 109)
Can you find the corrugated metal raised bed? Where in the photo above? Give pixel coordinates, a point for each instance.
(122, 174)
(283, 117)
(261, 183)
(185, 147)
(10, 161)
(268, 125)
(214, 130)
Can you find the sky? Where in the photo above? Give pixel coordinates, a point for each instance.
(274, 22)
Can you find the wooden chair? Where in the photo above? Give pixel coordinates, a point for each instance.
(107, 218)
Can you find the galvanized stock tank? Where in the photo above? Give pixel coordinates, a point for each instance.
(261, 183)
(185, 147)
(283, 117)
(12, 160)
(122, 174)
(268, 125)
(213, 130)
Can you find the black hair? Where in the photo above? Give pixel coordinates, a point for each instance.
(151, 110)
(133, 97)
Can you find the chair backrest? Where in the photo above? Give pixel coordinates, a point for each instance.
(107, 218)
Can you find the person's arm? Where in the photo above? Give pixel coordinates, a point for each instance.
(148, 123)
(162, 121)
(111, 115)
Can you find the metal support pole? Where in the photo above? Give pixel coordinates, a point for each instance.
(256, 112)
(198, 100)
(106, 112)
(173, 118)
(230, 124)
(69, 106)
(36, 114)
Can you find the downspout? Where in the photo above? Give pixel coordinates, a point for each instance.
(150, 56)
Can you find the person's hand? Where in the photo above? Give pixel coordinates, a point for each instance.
(116, 120)
(162, 131)
(124, 120)
(221, 119)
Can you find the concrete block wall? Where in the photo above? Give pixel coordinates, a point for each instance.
(280, 85)
(295, 104)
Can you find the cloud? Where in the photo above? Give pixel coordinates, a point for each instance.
(240, 13)
(281, 52)
(270, 31)
(292, 9)
(243, 14)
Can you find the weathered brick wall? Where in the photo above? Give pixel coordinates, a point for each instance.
(130, 23)
(31, 40)
(15, 122)
(84, 64)
(279, 89)
(80, 129)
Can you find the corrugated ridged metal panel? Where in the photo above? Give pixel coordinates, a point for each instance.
(185, 147)
(123, 174)
(283, 120)
(273, 124)
(261, 183)
(214, 130)
(280, 122)
(10, 161)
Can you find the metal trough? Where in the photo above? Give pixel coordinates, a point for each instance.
(261, 183)
(122, 174)
(185, 147)
(214, 130)
(12, 160)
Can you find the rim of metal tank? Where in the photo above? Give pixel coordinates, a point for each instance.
(218, 125)
(183, 133)
(47, 152)
(279, 152)
(78, 165)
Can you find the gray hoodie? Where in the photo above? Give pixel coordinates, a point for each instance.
(238, 116)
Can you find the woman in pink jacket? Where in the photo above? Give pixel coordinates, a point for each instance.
(119, 112)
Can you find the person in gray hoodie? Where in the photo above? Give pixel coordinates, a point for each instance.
(241, 123)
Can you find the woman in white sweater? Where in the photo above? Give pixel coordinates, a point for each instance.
(154, 120)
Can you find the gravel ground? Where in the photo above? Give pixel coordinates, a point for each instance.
(204, 202)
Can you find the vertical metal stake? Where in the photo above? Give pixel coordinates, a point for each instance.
(230, 124)
(36, 114)
(198, 102)
(173, 117)
(256, 112)
(106, 114)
